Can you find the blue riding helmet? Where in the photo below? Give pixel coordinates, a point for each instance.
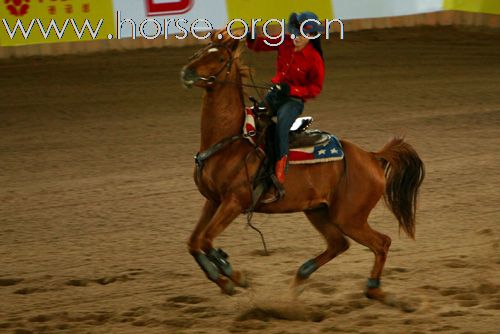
(310, 27)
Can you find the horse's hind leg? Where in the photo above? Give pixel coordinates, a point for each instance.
(379, 244)
(335, 240)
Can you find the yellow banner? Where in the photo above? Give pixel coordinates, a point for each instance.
(476, 6)
(25, 22)
(276, 9)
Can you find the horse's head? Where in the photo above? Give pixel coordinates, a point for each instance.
(212, 63)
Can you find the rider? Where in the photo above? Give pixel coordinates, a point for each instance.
(299, 77)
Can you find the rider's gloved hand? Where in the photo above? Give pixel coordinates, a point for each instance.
(282, 89)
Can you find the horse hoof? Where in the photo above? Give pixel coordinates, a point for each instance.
(297, 288)
(227, 287)
(297, 291)
(376, 293)
(240, 279)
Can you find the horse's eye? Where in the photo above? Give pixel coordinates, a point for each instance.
(221, 60)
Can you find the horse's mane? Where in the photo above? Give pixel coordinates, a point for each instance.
(243, 70)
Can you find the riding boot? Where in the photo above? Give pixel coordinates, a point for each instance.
(280, 169)
(278, 178)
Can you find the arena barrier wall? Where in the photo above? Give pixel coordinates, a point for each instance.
(356, 15)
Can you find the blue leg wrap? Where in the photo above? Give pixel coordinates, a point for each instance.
(307, 269)
(219, 258)
(208, 267)
(373, 283)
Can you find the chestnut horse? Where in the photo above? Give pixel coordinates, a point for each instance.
(336, 197)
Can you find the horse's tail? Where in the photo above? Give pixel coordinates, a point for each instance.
(404, 173)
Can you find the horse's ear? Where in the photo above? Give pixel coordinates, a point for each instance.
(222, 36)
(215, 36)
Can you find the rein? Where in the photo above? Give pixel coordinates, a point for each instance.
(243, 84)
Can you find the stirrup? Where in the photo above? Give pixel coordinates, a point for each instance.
(280, 192)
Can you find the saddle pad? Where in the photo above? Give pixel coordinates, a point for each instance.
(249, 128)
(330, 151)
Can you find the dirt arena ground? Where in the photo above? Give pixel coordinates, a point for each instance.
(97, 198)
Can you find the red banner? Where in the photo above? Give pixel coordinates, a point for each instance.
(168, 7)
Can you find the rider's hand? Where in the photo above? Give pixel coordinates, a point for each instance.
(282, 89)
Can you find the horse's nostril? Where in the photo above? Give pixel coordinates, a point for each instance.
(188, 74)
(188, 77)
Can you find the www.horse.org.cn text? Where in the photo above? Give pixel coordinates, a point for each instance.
(180, 28)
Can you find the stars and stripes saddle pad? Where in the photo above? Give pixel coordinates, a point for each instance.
(330, 150)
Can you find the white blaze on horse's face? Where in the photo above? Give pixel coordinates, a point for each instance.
(211, 50)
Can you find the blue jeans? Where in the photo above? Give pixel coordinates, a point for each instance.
(287, 109)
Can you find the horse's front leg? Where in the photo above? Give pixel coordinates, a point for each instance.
(214, 262)
(196, 238)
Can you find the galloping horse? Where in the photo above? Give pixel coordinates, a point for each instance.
(336, 197)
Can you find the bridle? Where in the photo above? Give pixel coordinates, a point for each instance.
(226, 67)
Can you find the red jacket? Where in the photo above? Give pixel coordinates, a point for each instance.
(304, 71)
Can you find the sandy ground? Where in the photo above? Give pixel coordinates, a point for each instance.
(97, 198)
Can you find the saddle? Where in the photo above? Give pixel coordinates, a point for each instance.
(307, 138)
(299, 138)
(299, 135)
